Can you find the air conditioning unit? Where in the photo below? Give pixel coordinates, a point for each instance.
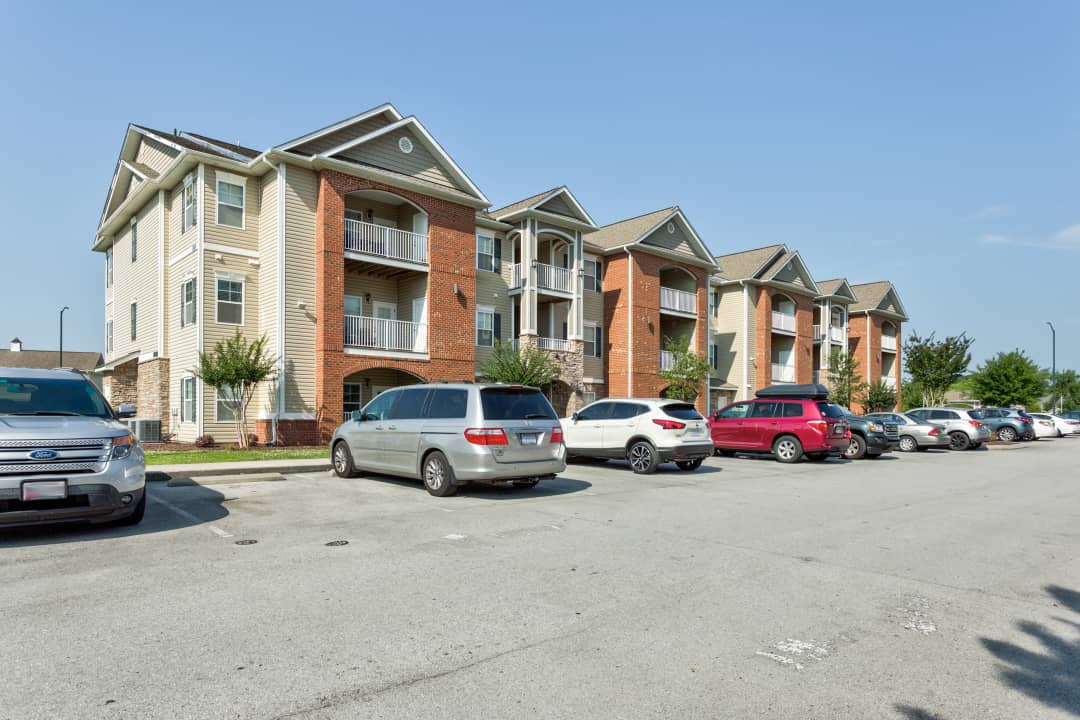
(145, 429)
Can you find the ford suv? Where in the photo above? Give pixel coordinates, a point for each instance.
(448, 435)
(64, 454)
(785, 420)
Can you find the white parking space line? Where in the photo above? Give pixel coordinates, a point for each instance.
(188, 516)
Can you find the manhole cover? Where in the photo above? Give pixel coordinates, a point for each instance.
(246, 542)
(337, 543)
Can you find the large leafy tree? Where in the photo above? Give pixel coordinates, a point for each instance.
(525, 366)
(1068, 389)
(234, 367)
(912, 395)
(934, 365)
(688, 372)
(845, 382)
(877, 397)
(1009, 378)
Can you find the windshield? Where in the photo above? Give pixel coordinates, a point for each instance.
(831, 410)
(51, 396)
(515, 404)
(682, 411)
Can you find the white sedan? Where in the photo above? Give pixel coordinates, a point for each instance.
(1047, 425)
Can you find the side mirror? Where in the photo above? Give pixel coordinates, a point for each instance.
(126, 411)
(356, 416)
(574, 417)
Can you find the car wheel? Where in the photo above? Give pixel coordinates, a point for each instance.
(872, 456)
(642, 457)
(342, 460)
(1007, 434)
(959, 440)
(726, 453)
(976, 446)
(908, 444)
(817, 457)
(856, 449)
(527, 482)
(787, 449)
(438, 475)
(689, 464)
(1030, 437)
(137, 515)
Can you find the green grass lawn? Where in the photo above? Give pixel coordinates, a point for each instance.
(184, 457)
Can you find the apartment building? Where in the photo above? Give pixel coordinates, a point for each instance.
(368, 259)
(874, 332)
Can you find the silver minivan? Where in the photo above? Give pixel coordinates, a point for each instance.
(451, 434)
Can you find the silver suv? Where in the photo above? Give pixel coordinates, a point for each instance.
(451, 434)
(965, 431)
(64, 454)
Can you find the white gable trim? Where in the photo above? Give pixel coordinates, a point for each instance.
(805, 271)
(386, 108)
(842, 291)
(699, 246)
(215, 147)
(350, 144)
(564, 191)
(896, 301)
(141, 175)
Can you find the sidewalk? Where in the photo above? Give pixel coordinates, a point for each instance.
(173, 473)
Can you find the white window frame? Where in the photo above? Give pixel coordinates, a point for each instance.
(134, 239)
(489, 311)
(597, 282)
(133, 319)
(358, 388)
(184, 322)
(590, 329)
(189, 203)
(588, 396)
(230, 179)
(218, 409)
(108, 336)
(109, 267)
(235, 278)
(186, 383)
(492, 240)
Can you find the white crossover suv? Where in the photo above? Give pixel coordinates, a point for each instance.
(644, 432)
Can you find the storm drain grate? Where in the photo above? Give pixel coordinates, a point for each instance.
(337, 543)
(246, 542)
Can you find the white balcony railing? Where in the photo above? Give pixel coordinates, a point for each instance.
(836, 334)
(667, 359)
(387, 242)
(557, 344)
(678, 300)
(552, 277)
(817, 333)
(888, 342)
(380, 334)
(783, 321)
(348, 415)
(783, 373)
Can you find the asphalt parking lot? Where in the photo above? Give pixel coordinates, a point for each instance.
(930, 586)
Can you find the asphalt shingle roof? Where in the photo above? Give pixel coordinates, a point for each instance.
(746, 264)
(870, 295)
(829, 287)
(627, 231)
(520, 204)
(49, 359)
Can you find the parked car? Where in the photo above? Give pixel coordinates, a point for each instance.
(1044, 426)
(785, 420)
(1062, 426)
(964, 430)
(64, 454)
(869, 438)
(448, 435)
(1070, 414)
(644, 432)
(1008, 425)
(914, 434)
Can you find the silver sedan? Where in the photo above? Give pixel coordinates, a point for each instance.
(915, 434)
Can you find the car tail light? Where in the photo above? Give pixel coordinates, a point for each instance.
(975, 423)
(933, 432)
(820, 425)
(486, 436)
(669, 424)
(556, 434)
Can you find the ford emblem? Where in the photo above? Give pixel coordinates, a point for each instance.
(44, 455)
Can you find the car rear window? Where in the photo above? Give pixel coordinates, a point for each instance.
(977, 415)
(831, 410)
(682, 411)
(624, 411)
(515, 404)
(448, 404)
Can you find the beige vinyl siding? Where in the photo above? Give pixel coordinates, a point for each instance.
(383, 152)
(183, 342)
(558, 205)
(727, 334)
(265, 400)
(342, 136)
(593, 312)
(246, 237)
(133, 186)
(677, 242)
(381, 290)
(154, 154)
(179, 242)
(301, 196)
(136, 282)
(492, 289)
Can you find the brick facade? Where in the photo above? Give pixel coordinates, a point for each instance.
(864, 329)
(289, 432)
(804, 337)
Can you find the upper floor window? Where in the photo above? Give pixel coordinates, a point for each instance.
(108, 267)
(190, 205)
(187, 302)
(230, 299)
(714, 357)
(593, 340)
(488, 253)
(593, 272)
(134, 319)
(230, 200)
(134, 240)
(108, 336)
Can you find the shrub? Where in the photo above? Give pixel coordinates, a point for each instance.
(205, 441)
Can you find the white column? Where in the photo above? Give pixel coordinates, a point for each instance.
(576, 320)
(826, 335)
(528, 278)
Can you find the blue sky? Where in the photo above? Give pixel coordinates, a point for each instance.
(933, 144)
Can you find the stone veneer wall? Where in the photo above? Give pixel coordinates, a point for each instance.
(152, 381)
(122, 385)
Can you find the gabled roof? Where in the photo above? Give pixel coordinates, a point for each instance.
(49, 359)
(558, 197)
(878, 297)
(838, 288)
(748, 264)
(637, 230)
(385, 109)
(790, 260)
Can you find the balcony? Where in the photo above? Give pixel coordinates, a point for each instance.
(378, 334)
(783, 373)
(888, 343)
(556, 344)
(678, 301)
(387, 243)
(782, 322)
(548, 277)
(667, 359)
(817, 333)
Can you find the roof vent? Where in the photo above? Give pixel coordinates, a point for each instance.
(16, 345)
(405, 145)
(671, 228)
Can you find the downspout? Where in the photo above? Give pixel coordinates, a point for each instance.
(630, 325)
(200, 330)
(745, 339)
(161, 275)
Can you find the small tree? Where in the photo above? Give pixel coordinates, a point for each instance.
(1068, 389)
(1010, 378)
(912, 395)
(877, 397)
(527, 366)
(934, 365)
(233, 368)
(845, 382)
(688, 370)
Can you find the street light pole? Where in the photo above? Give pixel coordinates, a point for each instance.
(1053, 365)
(61, 363)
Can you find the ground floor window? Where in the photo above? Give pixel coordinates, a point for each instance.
(187, 399)
(353, 396)
(588, 396)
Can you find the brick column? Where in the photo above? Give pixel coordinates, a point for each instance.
(330, 292)
(804, 339)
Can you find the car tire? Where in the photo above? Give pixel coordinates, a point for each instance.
(1031, 437)
(136, 515)
(959, 440)
(689, 465)
(908, 444)
(341, 458)
(817, 457)
(873, 455)
(642, 457)
(438, 476)
(856, 449)
(787, 449)
(1007, 434)
(526, 482)
(725, 453)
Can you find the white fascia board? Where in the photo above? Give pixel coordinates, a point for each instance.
(214, 146)
(677, 214)
(435, 147)
(492, 224)
(134, 171)
(563, 190)
(899, 304)
(805, 273)
(561, 220)
(384, 176)
(384, 108)
(702, 249)
(349, 145)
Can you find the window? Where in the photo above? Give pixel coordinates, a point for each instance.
(593, 340)
(448, 404)
(948, 415)
(593, 270)
(589, 396)
(351, 395)
(485, 327)
(52, 396)
(738, 410)
(134, 319)
(515, 404)
(714, 357)
(187, 399)
(108, 267)
(108, 336)
(226, 400)
(190, 205)
(354, 305)
(230, 200)
(763, 410)
(486, 249)
(230, 300)
(831, 410)
(791, 410)
(599, 411)
(134, 240)
(624, 410)
(714, 301)
(410, 404)
(187, 302)
(379, 408)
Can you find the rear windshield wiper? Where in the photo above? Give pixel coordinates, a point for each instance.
(536, 416)
(48, 412)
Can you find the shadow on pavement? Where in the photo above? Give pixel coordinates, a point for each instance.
(503, 491)
(1051, 674)
(186, 507)
(914, 713)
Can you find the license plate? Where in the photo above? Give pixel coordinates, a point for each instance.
(529, 438)
(44, 490)
(695, 431)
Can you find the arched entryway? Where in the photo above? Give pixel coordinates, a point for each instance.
(361, 387)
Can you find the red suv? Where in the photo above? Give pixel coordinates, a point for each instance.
(785, 420)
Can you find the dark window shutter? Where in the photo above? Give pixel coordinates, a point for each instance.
(598, 269)
(564, 336)
(498, 327)
(497, 263)
(566, 261)
(599, 342)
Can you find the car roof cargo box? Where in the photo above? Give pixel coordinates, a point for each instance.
(803, 392)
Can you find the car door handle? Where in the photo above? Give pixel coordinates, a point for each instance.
(392, 427)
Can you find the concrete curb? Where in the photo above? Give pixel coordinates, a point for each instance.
(208, 470)
(224, 479)
(1011, 446)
